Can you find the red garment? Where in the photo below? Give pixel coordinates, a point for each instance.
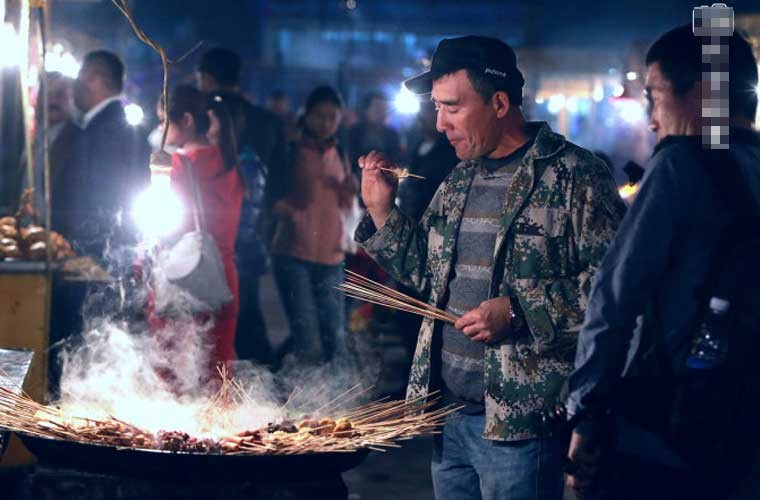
(222, 196)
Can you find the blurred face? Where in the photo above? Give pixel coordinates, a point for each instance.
(214, 128)
(60, 102)
(323, 120)
(84, 88)
(377, 112)
(181, 132)
(206, 82)
(671, 114)
(280, 105)
(468, 122)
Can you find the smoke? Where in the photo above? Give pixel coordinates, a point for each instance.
(155, 374)
(155, 382)
(157, 378)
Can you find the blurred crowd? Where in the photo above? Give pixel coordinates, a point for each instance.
(279, 188)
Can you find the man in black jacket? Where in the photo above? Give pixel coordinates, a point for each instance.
(92, 196)
(626, 371)
(260, 133)
(94, 193)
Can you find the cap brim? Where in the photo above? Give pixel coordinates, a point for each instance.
(421, 84)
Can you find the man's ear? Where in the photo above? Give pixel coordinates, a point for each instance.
(694, 95)
(500, 103)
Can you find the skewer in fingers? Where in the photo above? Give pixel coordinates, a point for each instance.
(400, 173)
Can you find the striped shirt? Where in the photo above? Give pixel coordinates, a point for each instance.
(461, 357)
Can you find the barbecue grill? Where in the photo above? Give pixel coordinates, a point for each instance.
(15, 365)
(89, 471)
(159, 464)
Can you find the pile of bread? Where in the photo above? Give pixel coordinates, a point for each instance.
(30, 242)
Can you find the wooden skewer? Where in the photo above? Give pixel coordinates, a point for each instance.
(357, 292)
(401, 173)
(379, 287)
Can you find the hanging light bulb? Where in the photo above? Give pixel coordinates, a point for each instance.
(158, 210)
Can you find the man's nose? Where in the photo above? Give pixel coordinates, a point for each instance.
(441, 123)
(653, 125)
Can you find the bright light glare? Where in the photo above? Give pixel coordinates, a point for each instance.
(598, 93)
(556, 103)
(134, 114)
(572, 105)
(618, 91)
(631, 75)
(539, 100)
(10, 55)
(157, 211)
(406, 102)
(631, 111)
(62, 61)
(628, 191)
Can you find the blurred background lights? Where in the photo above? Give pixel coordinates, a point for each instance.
(618, 90)
(631, 75)
(406, 102)
(62, 61)
(630, 111)
(572, 104)
(10, 46)
(598, 93)
(556, 103)
(134, 114)
(157, 212)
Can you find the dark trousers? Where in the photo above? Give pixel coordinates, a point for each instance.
(66, 323)
(251, 340)
(315, 308)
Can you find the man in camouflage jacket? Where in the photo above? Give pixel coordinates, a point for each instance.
(561, 210)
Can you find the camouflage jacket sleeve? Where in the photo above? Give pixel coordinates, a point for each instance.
(399, 247)
(595, 216)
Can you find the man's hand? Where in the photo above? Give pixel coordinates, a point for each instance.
(489, 322)
(584, 455)
(378, 186)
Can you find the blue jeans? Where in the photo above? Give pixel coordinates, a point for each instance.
(315, 308)
(465, 466)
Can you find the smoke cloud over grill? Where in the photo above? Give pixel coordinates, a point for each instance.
(156, 381)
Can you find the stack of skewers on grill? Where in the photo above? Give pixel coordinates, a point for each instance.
(378, 425)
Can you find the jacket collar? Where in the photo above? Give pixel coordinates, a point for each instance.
(88, 117)
(546, 143)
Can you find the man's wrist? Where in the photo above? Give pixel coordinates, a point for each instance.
(379, 216)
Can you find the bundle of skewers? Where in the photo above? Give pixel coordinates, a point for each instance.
(378, 426)
(360, 287)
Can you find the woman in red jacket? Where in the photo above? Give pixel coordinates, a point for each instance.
(221, 192)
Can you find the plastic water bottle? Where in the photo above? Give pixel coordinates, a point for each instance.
(709, 348)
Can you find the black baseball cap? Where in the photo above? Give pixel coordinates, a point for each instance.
(489, 56)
